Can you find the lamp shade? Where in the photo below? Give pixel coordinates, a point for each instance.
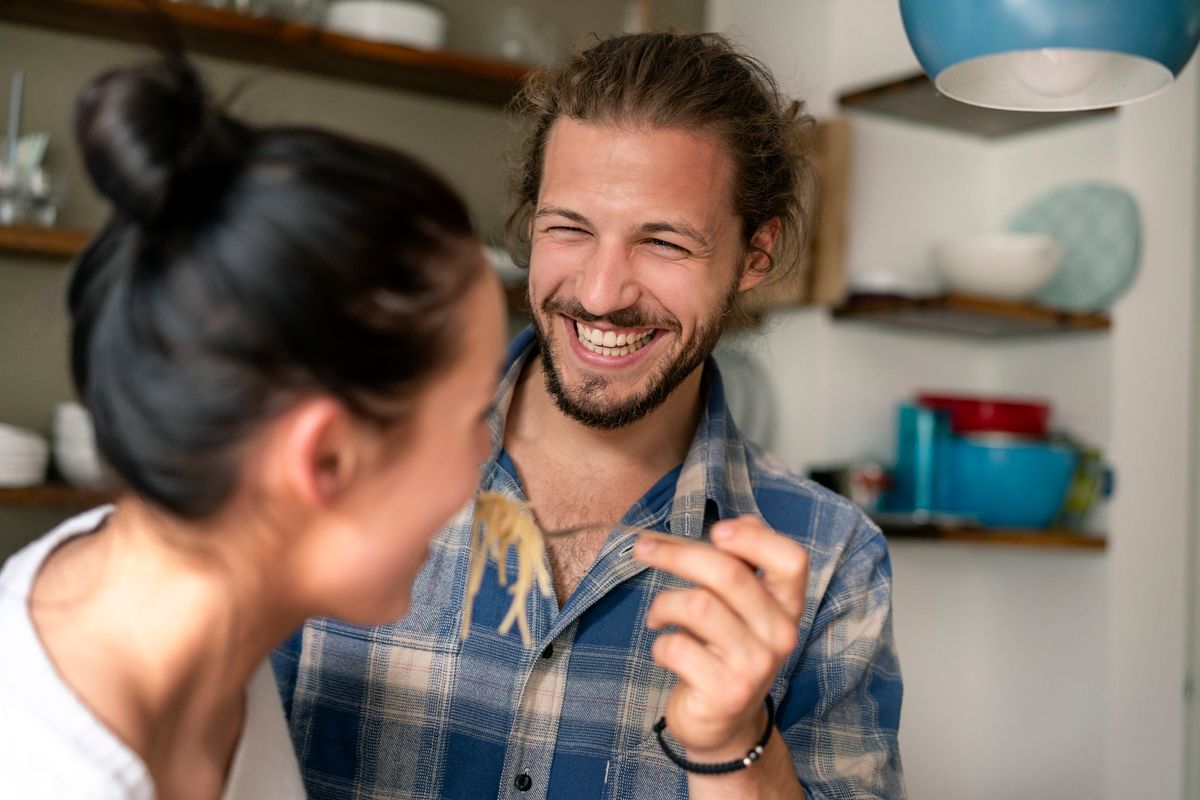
(1051, 55)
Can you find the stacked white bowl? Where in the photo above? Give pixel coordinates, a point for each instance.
(23, 456)
(404, 22)
(75, 452)
(1010, 266)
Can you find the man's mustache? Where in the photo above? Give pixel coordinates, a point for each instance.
(631, 317)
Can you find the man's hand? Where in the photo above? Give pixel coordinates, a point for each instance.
(735, 629)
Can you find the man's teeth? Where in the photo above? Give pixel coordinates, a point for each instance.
(611, 343)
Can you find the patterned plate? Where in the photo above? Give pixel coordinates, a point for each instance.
(1100, 230)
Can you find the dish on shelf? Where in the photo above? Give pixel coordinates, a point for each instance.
(1011, 266)
(1100, 230)
(510, 274)
(971, 414)
(401, 22)
(1007, 481)
(75, 453)
(747, 392)
(23, 456)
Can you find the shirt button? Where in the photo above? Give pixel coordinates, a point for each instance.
(549, 651)
(523, 782)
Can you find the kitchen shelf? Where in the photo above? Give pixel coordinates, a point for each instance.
(52, 495)
(915, 99)
(967, 315)
(999, 537)
(280, 43)
(54, 243)
(64, 243)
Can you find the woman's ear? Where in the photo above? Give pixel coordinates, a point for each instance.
(318, 450)
(758, 255)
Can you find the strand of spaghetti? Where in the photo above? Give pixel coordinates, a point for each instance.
(501, 524)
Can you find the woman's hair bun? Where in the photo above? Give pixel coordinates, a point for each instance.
(144, 129)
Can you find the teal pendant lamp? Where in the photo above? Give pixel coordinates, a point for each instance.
(1051, 55)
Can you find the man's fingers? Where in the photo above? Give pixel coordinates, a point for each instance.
(687, 657)
(705, 616)
(782, 562)
(729, 578)
(735, 582)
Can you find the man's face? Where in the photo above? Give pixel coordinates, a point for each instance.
(637, 257)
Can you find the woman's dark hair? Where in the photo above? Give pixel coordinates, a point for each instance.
(242, 269)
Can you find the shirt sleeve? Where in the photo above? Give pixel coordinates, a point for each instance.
(840, 711)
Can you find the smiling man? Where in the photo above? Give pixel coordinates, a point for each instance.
(660, 180)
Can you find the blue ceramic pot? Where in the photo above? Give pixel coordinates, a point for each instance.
(1007, 482)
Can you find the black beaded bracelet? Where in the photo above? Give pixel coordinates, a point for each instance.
(724, 766)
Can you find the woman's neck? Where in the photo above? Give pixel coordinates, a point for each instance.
(158, 625)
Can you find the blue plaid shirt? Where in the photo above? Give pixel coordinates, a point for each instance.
(407, 710)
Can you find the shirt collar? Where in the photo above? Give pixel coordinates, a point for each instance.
(715, 480)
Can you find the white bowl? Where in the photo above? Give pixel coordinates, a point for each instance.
(28, 471)
(396, 21)
(20, 441)
(1012, 266)
(71, 416)
(82, 467)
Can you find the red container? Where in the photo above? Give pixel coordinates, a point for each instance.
(990, 415)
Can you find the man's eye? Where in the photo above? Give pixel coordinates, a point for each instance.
(669, 247)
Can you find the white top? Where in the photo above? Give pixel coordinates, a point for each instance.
(53, 746)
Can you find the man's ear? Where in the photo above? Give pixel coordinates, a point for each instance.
(318, 451)
(758, 255)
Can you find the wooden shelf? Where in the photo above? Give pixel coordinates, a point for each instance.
(915, 99)
(998, 537)
(55, 243)
(967, 315)
(279, 43)
(52, 496)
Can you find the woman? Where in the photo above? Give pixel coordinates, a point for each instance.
(288, 341)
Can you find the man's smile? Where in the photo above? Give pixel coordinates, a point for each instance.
(613, 341)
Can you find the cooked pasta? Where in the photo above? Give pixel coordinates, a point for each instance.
(499, 524)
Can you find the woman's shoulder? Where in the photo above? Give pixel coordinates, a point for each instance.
(50, 750)
(16, 576)
(50, 744)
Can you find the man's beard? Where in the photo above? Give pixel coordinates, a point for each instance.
(586, 404)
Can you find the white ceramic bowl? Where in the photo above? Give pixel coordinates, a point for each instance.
(81, 466)
(397, 21)
(23, 457)
(20, 441)
(1011, 266)
(70, 416)
(75, 452)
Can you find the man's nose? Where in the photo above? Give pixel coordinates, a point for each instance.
(607, 282)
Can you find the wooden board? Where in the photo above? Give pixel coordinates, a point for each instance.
(1040, 539)
(966, 315)
(53, 243)
(52, 496)
(279, 43)
(820, 278)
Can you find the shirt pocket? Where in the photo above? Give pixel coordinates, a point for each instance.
(646, 773)
(642, 769)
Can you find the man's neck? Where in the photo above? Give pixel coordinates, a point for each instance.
(574, 473)
(657, 442)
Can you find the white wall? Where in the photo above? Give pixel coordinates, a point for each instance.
(1028, 673)
(1192, 757)
(1152, 420)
